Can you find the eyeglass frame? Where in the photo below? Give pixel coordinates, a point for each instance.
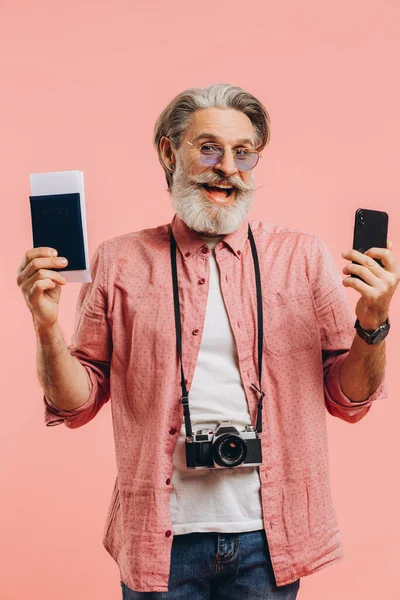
(253, 151)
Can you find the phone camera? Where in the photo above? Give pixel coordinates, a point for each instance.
(361, 219)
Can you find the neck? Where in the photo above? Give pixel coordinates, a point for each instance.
(209, 235)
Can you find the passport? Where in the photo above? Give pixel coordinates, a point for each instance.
(57, 223)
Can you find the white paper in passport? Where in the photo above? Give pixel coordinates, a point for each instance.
(65, 182)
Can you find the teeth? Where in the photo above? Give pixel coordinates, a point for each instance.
(223, 187)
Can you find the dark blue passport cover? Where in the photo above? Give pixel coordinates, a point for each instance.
(57, 223)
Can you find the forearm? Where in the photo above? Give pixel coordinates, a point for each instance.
(63, 378)
(363, 369)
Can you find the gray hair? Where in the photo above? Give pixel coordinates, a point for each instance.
(176, 117)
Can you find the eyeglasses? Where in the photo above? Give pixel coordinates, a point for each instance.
(212, 154)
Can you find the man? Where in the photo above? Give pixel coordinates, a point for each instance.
(215, 532)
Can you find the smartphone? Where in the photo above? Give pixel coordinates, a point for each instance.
(370, 231)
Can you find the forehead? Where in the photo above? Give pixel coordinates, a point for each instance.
(227, 124)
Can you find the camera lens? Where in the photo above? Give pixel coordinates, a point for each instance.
(361, 219)
(229, 450)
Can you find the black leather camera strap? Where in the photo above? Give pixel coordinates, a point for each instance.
(178, 327)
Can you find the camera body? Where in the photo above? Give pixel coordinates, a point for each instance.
(225, 447)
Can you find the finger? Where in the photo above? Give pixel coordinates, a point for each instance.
(40, 286)
(365, 260)
(41, 251)
(365, 273)
(385, 255)
(47, 274)
(353, 254)
(358, 285)
(40, 263)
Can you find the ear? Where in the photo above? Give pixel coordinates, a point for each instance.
(167, 152)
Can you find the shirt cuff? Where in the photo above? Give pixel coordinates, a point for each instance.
(336, 394)
(56, 416)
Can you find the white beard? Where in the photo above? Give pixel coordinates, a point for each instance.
(203, 216)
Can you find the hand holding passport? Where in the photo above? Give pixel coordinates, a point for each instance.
(58, 216)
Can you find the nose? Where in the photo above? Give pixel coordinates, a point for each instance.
(227, 164)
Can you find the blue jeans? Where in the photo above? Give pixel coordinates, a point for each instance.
(220, 566)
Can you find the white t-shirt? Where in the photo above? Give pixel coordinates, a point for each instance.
(226, 500)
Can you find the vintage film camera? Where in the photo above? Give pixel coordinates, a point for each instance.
(224, 447)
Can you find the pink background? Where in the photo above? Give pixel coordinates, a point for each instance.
(81, 87)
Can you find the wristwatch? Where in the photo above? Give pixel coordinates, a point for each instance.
(373, 337)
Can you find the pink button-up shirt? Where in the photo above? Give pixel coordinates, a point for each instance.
(125, 338)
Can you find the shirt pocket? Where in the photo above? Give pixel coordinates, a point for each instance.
(290, 323)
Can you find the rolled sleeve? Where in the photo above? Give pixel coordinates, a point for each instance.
(56, 416)
(337, 401)
(91, 345)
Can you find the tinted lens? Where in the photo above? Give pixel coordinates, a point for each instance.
(245, 162)
(212, 155)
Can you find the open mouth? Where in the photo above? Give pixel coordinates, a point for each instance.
(218, 191)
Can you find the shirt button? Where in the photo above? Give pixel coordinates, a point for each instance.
(167, 533)
(172, 431)
(187, 254)
(195, 332)
(201, 281)
(238, 252)
(205, 250)
(168, 481)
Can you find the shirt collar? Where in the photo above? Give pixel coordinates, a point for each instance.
(189, 242)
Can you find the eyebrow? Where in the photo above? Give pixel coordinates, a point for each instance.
(214, 137)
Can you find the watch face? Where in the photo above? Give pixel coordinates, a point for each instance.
(370, 338)
(380, 336)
